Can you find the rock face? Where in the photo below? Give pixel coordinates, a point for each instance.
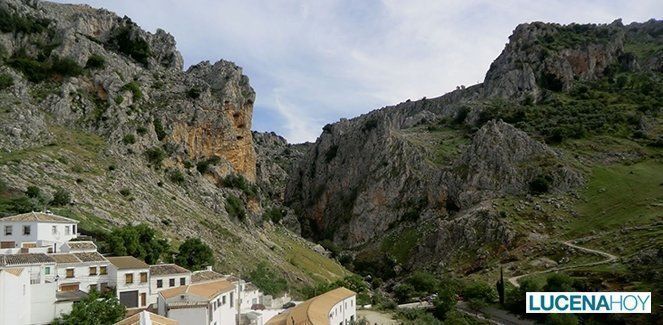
(94, 105)
(439, 161)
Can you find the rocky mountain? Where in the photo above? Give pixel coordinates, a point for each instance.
(422, 183)
(97, 108)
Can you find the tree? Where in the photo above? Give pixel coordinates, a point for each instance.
(516, 297)
(500, 287)
(444, 302)
(139, 241)
(557, 282)
(61, 197)
(268, 280)
(33, 192)
(95, 309)
(194, 255)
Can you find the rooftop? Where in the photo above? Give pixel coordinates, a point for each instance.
(90, 257)
(38, 217)
(127, 262)
(206, 275)
(70, 295)
(25, 259)
(81, 245)
(313, 311)
(14, 271)
(166, 269)
(65, 258)
(205, 290)
(145, 317)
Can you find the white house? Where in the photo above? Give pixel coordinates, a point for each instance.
(130, 278)
(147, 318)
(203, 303)
(166, 276)
(14, 296)
(337, 306)
(36, 229)
(81, 271)
(78, 247)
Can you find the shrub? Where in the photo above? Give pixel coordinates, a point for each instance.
(540, 184)
(126, 40)
(331, 154)
(158, 128)
(177, 177)
(141, 130)
(33, 70)
(193, 93)
(155, 156)
(129, 139)
(61, 197)
(235, 207)
(268, 280)
(12, 23)
(66, 67)
(480, 291)
(239, 182)
(461, 115)
(203, 165)
(6, 81)
(139, 241)
(134, 88)
(119, 99)
(33, 192)
(274, 214)
(111, 167)
(194, 255)
(370, 124)
(95, 61)
(125, 192)
(96, 308)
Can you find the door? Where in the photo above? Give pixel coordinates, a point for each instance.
(129, 299)
(143, 300)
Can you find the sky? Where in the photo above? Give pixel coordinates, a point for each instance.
(312, 62)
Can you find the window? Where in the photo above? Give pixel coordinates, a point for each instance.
(54, 230)
(231, 300)
(66, 230)
(171, 282)
(182, 281)
(143, 277)
(26, 230)
(47, 270)
(129, 278)
(8, 230)
(93, 287)
(223, 299)
(159, 283)
(73, 229)
(93, 270)
(102, 270)
(70, 273)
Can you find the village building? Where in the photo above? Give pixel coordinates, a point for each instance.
(334, 307)
(35, 232)
(131, 279)
(166, 276)
(147, 318)
(209, 303)
(83, 271)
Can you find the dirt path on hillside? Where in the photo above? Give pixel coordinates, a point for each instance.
(609, 258)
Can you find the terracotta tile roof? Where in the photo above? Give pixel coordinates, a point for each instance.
(25, 259)
(165, 269)
(14, 271)
(145, 317)
(70, 295)
(206, 275)
(65, 258)
(39, 217)
(205, 290)
(90, 257)
(81, 245)
(127, 262)
(313, 311)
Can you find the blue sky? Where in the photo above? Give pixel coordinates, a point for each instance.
(313, 62)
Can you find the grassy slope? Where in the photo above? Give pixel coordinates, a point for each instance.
(77, 161)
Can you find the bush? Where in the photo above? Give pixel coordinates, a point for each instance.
(95, 308)
(95, 61)
(61, 197)
(177, 177)
(194, 255)
(270, 282)
(540, 184)
(204, 165)
(155, 156)
(331, 154)
(134, 88)
(370, 125)
(33, 192)
(139, 241)
(239, 182)
(126, 40)
(235, 207)
(193, 93)
(274, 214)
(125, 192)
(13, 23)
(158, 128)
(6, 81)
(558, 282)
(141, 130)
(66, 67)
(129, 139)
(479, 291)
(33, 70)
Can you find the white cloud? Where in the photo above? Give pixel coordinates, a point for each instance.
(312, 62)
